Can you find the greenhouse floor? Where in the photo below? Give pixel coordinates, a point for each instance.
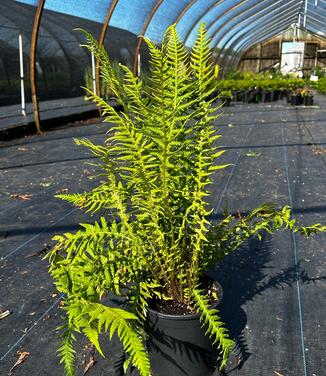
(274, 291)
(52, 113)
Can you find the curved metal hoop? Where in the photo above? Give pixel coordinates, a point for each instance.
(140, 40)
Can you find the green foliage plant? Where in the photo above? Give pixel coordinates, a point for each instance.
(155, 237)
(226, 94)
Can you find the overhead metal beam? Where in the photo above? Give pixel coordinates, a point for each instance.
(257, 18)
(230, 10)
(36, 26)
(184, 11)
(253, 14)
(199, 18)
(140, 39)
(249, 33)
(101, 42)
(261, 37)
(321, 19)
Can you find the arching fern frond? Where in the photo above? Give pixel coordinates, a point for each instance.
(66, 351)
(215, 327)
(119, 321)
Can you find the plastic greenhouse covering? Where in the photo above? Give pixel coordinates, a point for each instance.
(61, 64)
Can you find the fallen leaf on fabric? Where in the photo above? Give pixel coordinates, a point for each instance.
(45, 184)
(23, 355)
(90, 364)
(278, 373)
(45, 249)
(17, 196)
(253, 154)
(22, 148)
(318, 150)
(4, 314)
(230, 125)
(63, 190)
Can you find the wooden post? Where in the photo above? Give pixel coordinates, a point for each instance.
(36, 27)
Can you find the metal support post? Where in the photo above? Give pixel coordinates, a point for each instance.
(93, 73)
(138, 65)
(21, 67)
(305, 13)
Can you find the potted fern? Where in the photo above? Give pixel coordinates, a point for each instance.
(155, 241)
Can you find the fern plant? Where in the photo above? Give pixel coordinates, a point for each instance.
(155, 238)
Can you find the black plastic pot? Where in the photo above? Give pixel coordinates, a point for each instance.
(308, 100)
(239, 96)
(275, 95)
(267, 96)
(251, 96)
(295, 100)
(226, 101)
(288, 96)
(246, 96)
(177, 345)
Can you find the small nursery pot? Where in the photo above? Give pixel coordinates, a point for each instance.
(177, 345)
(295, 100)
(239, 96)
(226, 101)
(308, 100)
(275, 95)
(250, 96)
(267, 96)
(288, 96)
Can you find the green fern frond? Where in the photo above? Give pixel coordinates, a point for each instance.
(201, 63)
(116, 320)
(66, 351)
(215, 327)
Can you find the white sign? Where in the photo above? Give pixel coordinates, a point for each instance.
(292, 57)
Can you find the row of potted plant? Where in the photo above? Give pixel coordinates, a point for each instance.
(301, 96)
(251, 88)
(320, 85)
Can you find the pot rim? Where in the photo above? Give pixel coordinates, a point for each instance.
(190, 316)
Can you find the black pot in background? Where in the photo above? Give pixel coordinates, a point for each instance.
(275, 95)
(296, 100)
(288, 96)
(259, 95)
(246, 96)
(267, 96)
(238, 96)
(308, 100)
(251, 96)
(226, 101)
(177, 345)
